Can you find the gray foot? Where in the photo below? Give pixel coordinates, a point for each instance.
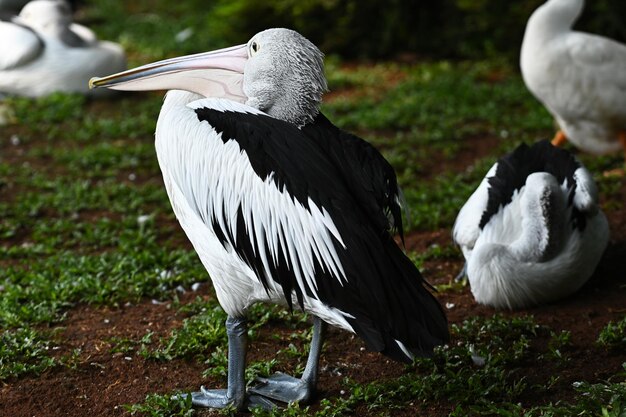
(219, 399)
(215, 398)
(285, 388)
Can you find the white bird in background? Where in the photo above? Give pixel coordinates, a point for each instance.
(532, 232)
(282, 206)
(579, 77)
(42, 51)
(10, 8)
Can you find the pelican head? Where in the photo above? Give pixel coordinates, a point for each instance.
(556, 15)
(278, 71)
(45, 16)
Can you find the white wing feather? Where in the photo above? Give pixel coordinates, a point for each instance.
(601, 64)
(586, 196)
(220, 186)
(18, 45)
(602, 55)
(466, 227)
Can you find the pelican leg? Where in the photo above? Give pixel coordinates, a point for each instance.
(288, 389)
(235, 395)
(461, 275)
(559, 138)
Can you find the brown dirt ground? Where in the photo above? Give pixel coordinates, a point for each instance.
(102, 381)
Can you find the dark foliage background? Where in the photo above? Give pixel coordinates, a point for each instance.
(376, 29)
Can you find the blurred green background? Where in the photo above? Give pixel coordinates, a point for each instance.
(377, 29)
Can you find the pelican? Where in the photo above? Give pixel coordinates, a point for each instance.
(42, 51)
(11, 8)
(283, 207)
(532, 232)
(579, 77)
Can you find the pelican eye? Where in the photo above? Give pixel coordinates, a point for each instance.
(254, 48)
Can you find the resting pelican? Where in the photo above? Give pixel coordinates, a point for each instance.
(42, 51)
(532, 232)
(579, 77)
(9, 8)
(281, 206)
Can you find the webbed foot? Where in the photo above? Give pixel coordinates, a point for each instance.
(219, 399)
(285, 388)
(215, 398)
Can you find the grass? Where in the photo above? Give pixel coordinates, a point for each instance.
(613, 335)
(477, 375)
(442, 101)
(84, 219)
(23, 350)
(159, 405)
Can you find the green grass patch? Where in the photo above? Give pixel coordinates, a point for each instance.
(156, 405)
(198, 336)
(41, 292)
(613, 335)
(436, 204)
(444, 102)
(24, 350)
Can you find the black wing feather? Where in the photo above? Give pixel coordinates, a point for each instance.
(515, 167)
(384, 292)
(371, 177)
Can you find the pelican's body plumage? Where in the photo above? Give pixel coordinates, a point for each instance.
(42, 51)
(579, 77)
(532, 232)
(282, 206)
(273, 218)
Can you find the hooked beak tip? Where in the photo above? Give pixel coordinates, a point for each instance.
(93, 82)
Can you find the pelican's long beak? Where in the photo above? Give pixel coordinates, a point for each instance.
(211, 74)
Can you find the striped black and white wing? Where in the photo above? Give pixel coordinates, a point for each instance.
(515, 167)
(281, 203)
(509, 175)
